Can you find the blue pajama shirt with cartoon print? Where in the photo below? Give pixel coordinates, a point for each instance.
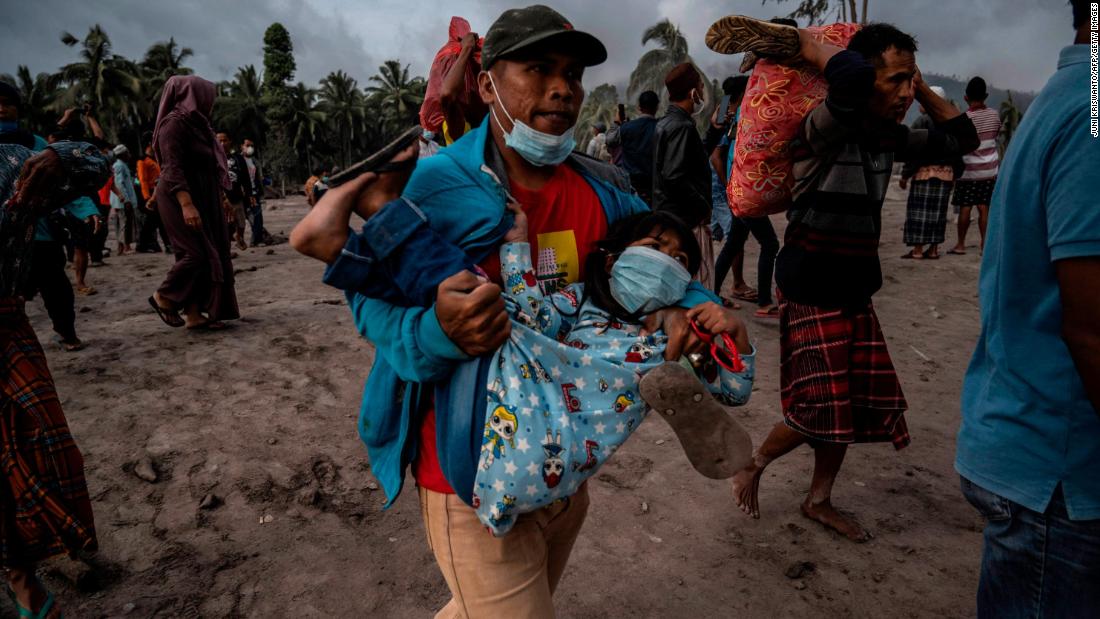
(563, 394)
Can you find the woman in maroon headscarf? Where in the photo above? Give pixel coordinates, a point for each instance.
(193, 175)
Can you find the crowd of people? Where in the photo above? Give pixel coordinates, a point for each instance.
(530, 303)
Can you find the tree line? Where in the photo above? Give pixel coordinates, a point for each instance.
(296, 126)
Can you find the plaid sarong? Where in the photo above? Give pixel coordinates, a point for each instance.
(926, 212)
(44, 505)
(837, 381)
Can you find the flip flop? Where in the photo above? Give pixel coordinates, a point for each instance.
(172, 319)
(955, 252)
(70, 347)
(909, 256)
(772, 312)
(736, 33)
(86, 291)
(715, 444)
(380, 162)
(749, 294)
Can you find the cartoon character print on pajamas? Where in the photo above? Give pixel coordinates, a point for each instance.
(500, 429)
(553, 467)
(561, 398)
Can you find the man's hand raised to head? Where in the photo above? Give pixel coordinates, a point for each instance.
(471, 313)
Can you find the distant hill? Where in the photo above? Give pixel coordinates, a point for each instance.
(956, 88)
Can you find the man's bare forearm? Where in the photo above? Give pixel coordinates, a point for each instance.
(323, 232)
(814, 52)
(1079, 284)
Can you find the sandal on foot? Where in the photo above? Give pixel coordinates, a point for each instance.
(909, 256)
(169, 316)
(714, 442)
(736, 33)
(746, 294)
(86, 291)
(955, 252)
(380, 162)
(767, 312)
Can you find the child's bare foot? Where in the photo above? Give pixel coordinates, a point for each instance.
(828, 515)
(746, 488)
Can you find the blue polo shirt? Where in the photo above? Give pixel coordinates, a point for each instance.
(1027, 424)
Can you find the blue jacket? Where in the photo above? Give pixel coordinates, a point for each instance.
(462, 191)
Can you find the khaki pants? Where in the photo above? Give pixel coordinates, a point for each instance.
(510, 576)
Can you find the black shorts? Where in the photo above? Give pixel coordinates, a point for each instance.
(80, 233)
(972, 193)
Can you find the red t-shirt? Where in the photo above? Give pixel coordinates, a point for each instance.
(564, 219)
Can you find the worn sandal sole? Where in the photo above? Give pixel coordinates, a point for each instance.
(716, 445)
(736, 33)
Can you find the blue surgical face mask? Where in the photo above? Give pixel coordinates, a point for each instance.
(643, 280)
(7, 126)
(536, 147)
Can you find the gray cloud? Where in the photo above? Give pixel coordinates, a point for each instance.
(1013, 43)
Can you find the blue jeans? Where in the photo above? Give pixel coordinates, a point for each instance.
(256, 217)
(1035, 565)
(721, 217)
(398, 258)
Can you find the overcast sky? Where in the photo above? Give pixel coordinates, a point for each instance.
(1012, 43)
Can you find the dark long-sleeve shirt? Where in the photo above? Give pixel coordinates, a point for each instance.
(636, 138)
(681, 168)
(842, 165)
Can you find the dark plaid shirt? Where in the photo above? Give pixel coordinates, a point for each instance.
(842, 167)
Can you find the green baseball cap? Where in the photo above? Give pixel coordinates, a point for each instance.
(517, 29)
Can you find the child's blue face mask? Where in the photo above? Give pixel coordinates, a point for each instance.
(536, 147)
(643, 280)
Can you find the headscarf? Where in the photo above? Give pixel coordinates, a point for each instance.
(190, 99)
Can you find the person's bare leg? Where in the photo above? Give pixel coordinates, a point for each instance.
(746, 483)
(983, 217)
(80, 266)
(29, 592)
(818, 505)
(933, 251)
(192, 316)
(963, 226)
(738, 268)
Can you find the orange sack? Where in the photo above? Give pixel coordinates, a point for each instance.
(777, 98)
(431, 111)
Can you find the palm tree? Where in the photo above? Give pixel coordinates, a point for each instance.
(655, 64)
(100, 78)
(38, 94)
(343, 105)
(815, 12)
(399, 97)
(306, 119)
(238, 109)
(599, 106)
(1010, 121)
(165, 58)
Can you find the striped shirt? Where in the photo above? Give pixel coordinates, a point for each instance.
(982, 163)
